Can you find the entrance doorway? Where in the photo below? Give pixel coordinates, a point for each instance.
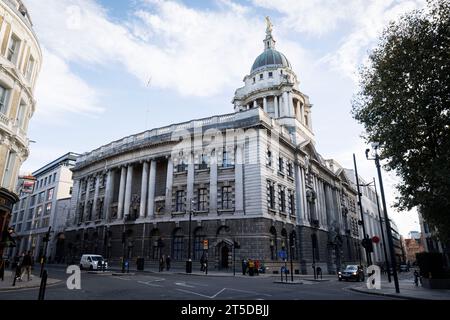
(224, 263)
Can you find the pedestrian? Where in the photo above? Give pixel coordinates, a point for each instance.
(244, 266)
(202, 262)
(161, 263)
(416, 278)
(26, 265)
(168, 263)
(257, 267)
(251, 267)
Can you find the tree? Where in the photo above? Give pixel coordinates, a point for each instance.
(404, 104)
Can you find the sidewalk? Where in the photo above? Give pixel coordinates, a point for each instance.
(407, 291)
(35, 282)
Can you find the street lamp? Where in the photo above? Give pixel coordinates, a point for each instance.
(381, 227)
(189, 260)
(375, 147)
(46, 239)
(365, 237)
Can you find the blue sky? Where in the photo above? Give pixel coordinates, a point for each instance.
(100, 55)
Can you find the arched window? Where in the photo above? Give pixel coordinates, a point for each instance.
(273, 243)
(199, 236)
(177, 244)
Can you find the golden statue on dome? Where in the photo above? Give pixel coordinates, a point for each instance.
(269, 25)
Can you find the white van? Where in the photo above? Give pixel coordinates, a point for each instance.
(92, 262)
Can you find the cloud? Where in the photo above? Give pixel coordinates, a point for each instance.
(58, 90)
(194, 52)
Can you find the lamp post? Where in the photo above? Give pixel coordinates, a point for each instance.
(44, 258)
(189, 260)
(368, 257)
(386, 217)
(381, 228)
(292, 246)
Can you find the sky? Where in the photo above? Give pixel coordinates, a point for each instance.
(112, 68)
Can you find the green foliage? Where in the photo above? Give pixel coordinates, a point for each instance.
(404, 104)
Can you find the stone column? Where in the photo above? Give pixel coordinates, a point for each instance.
(86, 198)
(290, 104)
(123, 176)
(213, 183)
(299, 111)
(265, 104)
(190, 180)
(127, 202)
(254, 104)
(285, 111)
(298, 193)
(275, 106)
(151, 190)
(94, 205)
(169, 183)
(239, 180)
(144, 185)
(108, 193)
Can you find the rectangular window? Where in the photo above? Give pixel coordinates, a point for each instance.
(291, 204)
(22, 213)
(45, 181)
(4, 93)
(21, 115)
(282, 199)
(22, 203)
(33, 201)
(270, 74)
(180, 201)
(38, 211)
(290, 169)
(280, 164)
(202, 203)
(226, 163)
(28, 227)
(261, 76)
(181, 167)
(30, 67)
(203, 162)
(13, 49)
(35, 224)
(269, 158)
(270, 195)
(18, 228)
(45, 222)
(50, 194)
(54, 177)
(9, 169)
(48, 208)
(30, 214)
(227, 198)
(41, 197)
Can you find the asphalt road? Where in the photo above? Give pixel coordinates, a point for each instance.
(173, 286)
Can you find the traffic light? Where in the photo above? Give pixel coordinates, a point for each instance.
(367, 244)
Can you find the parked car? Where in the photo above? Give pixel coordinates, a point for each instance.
(93, 262)
(352, 272)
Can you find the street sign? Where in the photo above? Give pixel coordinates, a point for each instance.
(205, 244)
(282, 254)
(375, 239)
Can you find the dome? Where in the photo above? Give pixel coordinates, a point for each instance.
(270, 57)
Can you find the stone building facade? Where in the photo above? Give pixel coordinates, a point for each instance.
(20, 63)
(252, 177)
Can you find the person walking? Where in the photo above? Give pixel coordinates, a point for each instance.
(161, 263)
(26, 266)
(244, 266)
(202, 262)
(168, 263)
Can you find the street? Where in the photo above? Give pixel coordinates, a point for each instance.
(176, 286)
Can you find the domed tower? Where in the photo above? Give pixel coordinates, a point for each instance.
(273, 86)
(20, 63)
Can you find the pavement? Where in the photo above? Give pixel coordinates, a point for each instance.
(34, 282)
(408, 291)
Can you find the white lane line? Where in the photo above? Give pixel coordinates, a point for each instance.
(122, 278)
(192, 292)
(148, 283)
(183, 284)
(253, 292)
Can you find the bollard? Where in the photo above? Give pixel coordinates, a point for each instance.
(43, 286)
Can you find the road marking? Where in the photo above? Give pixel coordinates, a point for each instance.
(122, 278)
(222, 290)
(148, 283)
(183, 284)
